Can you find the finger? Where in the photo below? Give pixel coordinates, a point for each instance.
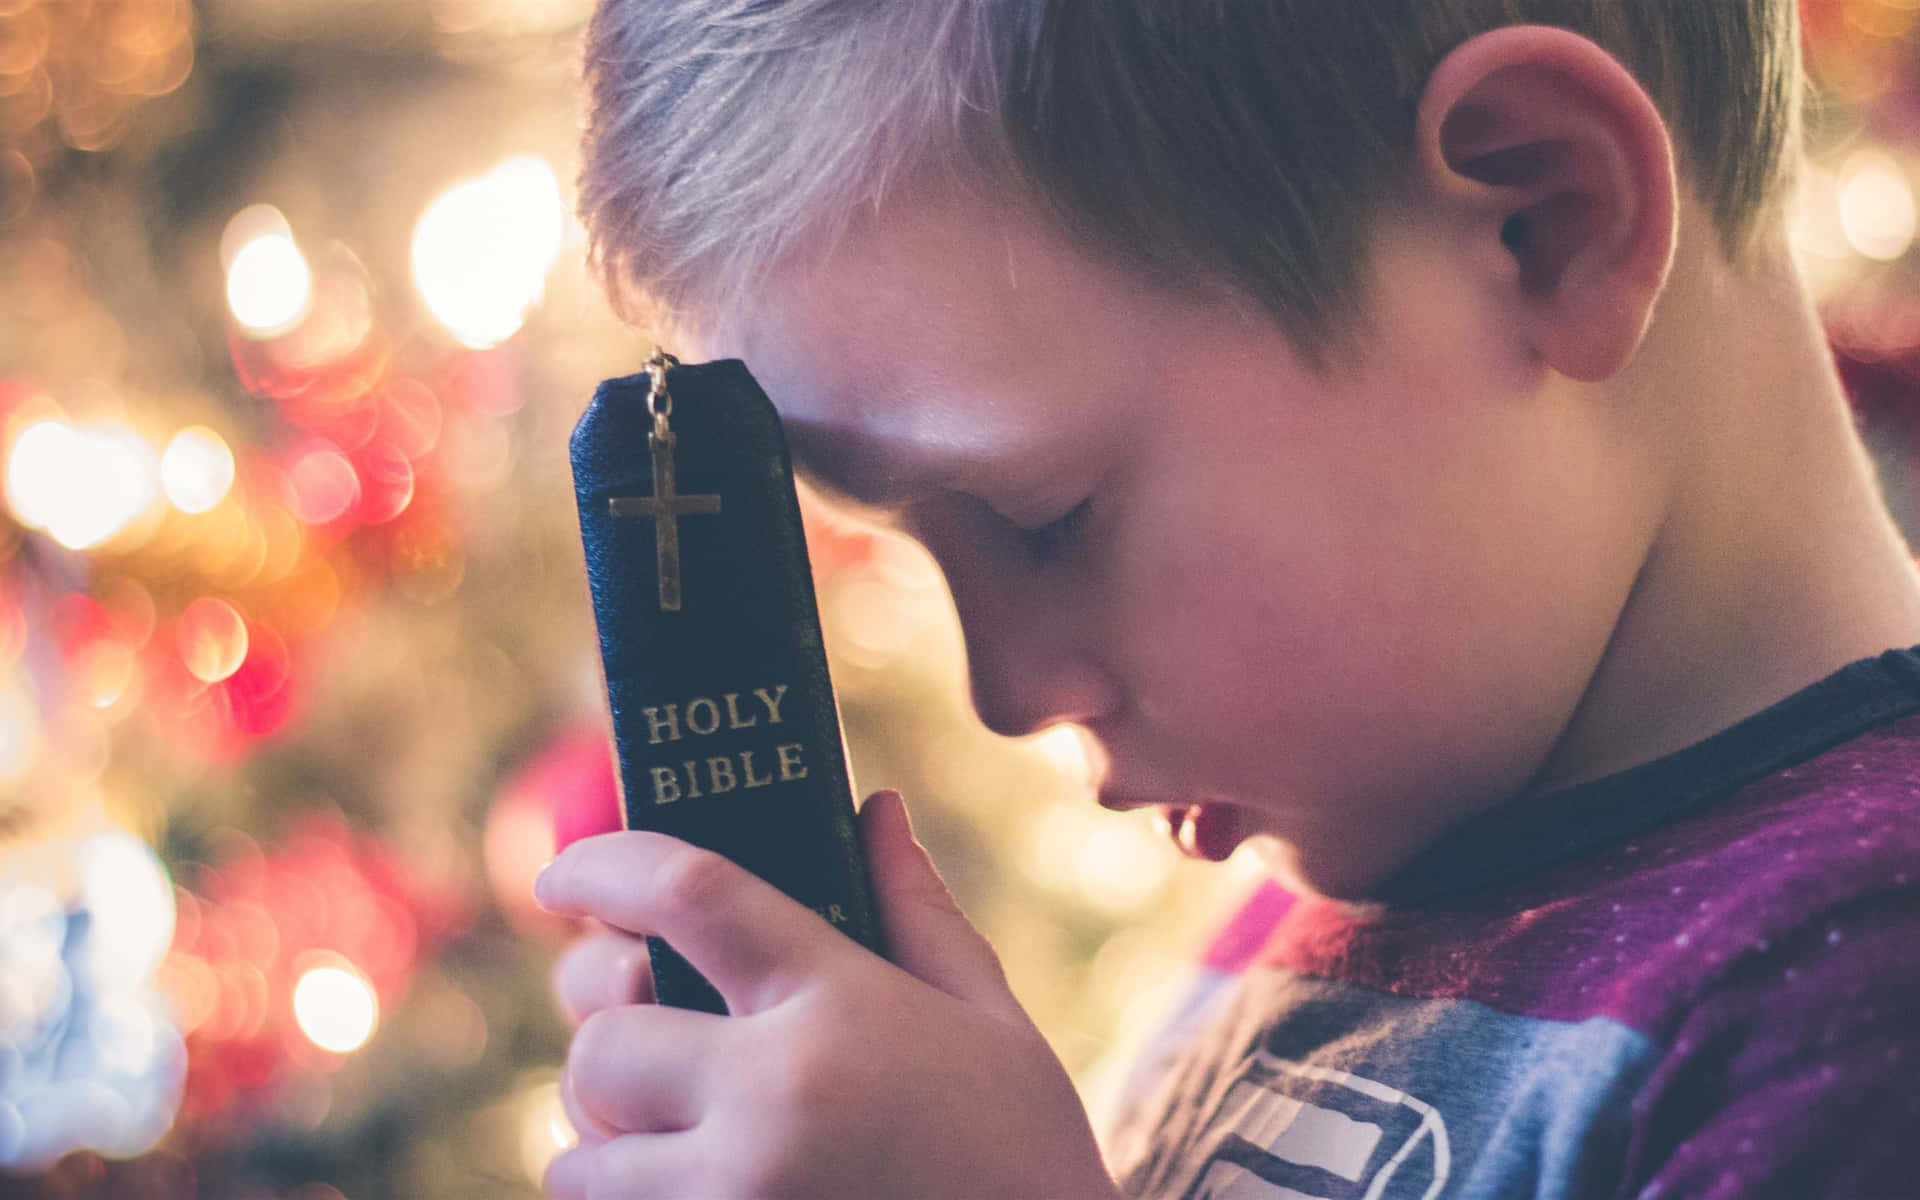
(589, 1131)
(640, 1166)
(566, 1177)
(602, 970)
(643, 1068)
(926, 933)
(754, 943)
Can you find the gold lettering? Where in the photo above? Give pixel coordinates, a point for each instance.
(836, 914)
(734, 719)
(773, 701)
(746, 768)
(666, 787)
(720, 776)
(655, 724)
(693, 780)
(791, 768)
(712, 721)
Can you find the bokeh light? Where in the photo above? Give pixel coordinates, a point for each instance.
(20, 735)
(322, 486)
(1120, 866)
(1109, 865)
(213, 639)
(545, 1130)
(124, 885)
(196, 470)
(258, 698)
(410, 418)
(82, 485)
(482, 250)
(1877, 211)
(386, 483)
(269, 284)
(103, 672)
(335, 1007)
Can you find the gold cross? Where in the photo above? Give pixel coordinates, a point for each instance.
(666, 506)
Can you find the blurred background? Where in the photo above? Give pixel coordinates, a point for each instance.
(298, 686)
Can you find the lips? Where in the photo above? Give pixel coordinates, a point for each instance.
(1114, 801)
(1203, 829)
(1208, 831)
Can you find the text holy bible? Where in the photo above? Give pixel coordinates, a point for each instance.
(723, 713)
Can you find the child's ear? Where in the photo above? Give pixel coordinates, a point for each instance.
(1547, 144)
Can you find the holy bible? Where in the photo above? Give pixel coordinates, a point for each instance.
(724, 722)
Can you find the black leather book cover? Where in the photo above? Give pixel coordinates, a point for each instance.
(723, 713)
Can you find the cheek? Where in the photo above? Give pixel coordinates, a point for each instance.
(1329, 633)
(1241, 646)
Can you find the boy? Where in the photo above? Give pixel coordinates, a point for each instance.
(1395, 431)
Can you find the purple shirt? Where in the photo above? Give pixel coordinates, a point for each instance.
(1697, 978)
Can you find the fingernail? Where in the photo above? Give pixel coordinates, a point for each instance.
(542, 886)
(898, 803)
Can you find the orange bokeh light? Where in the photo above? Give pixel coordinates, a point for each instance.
(213, 639)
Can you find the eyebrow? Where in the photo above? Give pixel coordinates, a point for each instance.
(852, 471)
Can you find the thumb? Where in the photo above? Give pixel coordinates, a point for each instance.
(926, 933)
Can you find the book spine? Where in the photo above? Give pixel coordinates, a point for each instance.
(724, 720)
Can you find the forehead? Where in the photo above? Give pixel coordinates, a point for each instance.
(941, 332)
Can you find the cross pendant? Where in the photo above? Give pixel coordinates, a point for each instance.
(666, 506)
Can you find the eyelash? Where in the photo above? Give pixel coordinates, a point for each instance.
(1046, 542)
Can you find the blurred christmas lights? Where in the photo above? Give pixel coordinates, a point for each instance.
(481, 252)
(269, 285)
(336, 1007)
(565, 791)
(126, 889)
(196, 469)
(304, 945)
(213, 639)
(93, 1063)
(545, 1131)
(1876, 206)
(82, 484)
(322, 486)
(19, 731)
(1081, 853)
(75, 74)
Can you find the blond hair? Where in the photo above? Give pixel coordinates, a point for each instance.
(1202, 142)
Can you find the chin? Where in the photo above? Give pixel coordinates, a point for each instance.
(1305, 873)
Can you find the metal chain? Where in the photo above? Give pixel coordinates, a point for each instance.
(659, 400)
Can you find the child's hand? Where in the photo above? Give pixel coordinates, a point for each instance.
(601, 970)
(838, 1074)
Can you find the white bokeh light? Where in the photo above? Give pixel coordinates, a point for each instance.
(482, 250)
(1877, 210)
(82, 485)
(269, 284)
(1120, 866)
(196, 471)
(336, 1007)
(125, 886)
(545, 1131)
(1110, 865)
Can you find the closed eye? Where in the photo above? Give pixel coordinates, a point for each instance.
(1053, 539)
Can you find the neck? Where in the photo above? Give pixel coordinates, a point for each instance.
(1775, 561)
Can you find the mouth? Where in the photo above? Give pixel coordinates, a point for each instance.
(1207, 830)
(1202, 829)
(1210, 830)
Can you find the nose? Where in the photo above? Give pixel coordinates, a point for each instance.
(1031, 630)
